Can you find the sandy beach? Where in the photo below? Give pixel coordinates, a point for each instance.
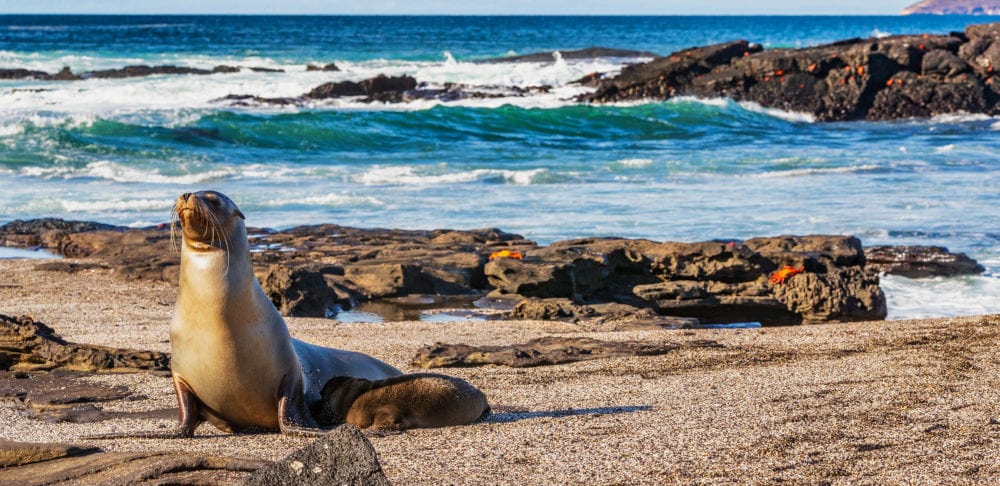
(877, 402)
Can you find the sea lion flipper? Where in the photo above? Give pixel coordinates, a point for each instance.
(188, 406)
(293, 414)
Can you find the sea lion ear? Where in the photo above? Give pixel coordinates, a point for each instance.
(240, 214)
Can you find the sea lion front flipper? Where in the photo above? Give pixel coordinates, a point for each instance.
(190, 418)
(293, 414)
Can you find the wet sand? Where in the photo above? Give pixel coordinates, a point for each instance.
(878, 402)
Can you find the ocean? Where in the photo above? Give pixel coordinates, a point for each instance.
(120, 150)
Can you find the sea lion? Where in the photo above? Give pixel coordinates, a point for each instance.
(419, 400)
(233, 361)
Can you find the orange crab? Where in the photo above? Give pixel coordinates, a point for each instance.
(785, 273)
(507, 254)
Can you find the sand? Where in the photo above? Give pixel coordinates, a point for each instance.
(876, 402)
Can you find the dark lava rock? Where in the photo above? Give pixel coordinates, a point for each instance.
(543, 351)
(342, 456)
(222, 68)
(372, 87)
(65, 74)
(299, 291)
(312, 270)
(328, 67)
(920, 261)
(141, 71)
(876, 79)
(664, 77)
(85, 465)
(37, 226)
(26, 345)
(711, 281)
(13, 453)
(587, 53)
(22, 74)
(258, 69)
(64, 396)
(248, 100)
(611, 316)
(335, 90)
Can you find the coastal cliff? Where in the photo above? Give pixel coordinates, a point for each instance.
(953, 7)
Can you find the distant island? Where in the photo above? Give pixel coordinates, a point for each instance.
(954, 7)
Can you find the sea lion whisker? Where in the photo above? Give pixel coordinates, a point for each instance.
(174, 218)
(216, 224)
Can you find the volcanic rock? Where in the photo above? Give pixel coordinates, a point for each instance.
(343, 456)
(328, 67)
(920, 261)
(13, 453)
(22, 74)
(543, 351)
(65, 74)
(86, 465)
(876, 79)
(141, 71)
(711, 281)
(377, 86)
(26, 345)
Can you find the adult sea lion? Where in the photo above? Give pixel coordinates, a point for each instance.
(419, 400)
(233, 361)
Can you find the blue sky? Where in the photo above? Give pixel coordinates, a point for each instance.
(437, 7)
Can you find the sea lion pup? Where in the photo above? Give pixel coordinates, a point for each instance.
(419, 400)
(233, 361)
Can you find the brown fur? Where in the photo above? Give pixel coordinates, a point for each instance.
(420, 400)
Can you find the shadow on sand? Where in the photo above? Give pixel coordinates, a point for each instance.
(505, 416)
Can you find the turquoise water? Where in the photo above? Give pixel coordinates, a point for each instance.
(120, 151)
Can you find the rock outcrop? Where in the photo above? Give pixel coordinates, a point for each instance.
(26, 345)
(72, 464)
(316, 270)
(549, 350)
(136, 71)
(953, 7)
(343, 456)
(920, 261)
(711, 281)
(875, 79)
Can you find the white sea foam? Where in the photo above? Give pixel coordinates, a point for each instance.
(9, 129)
(790, 116)
(405, 175)
(132, 205)
(112, 171)
(817, 171)
(941, 297)
(880, 34)
(633, 163)
(953, 118)
(331, 200)
(716, 102)
(184, 94)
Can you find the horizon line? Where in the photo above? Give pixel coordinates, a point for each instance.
(269, 14)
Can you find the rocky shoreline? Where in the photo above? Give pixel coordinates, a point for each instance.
(314, 271)
(887, 78)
